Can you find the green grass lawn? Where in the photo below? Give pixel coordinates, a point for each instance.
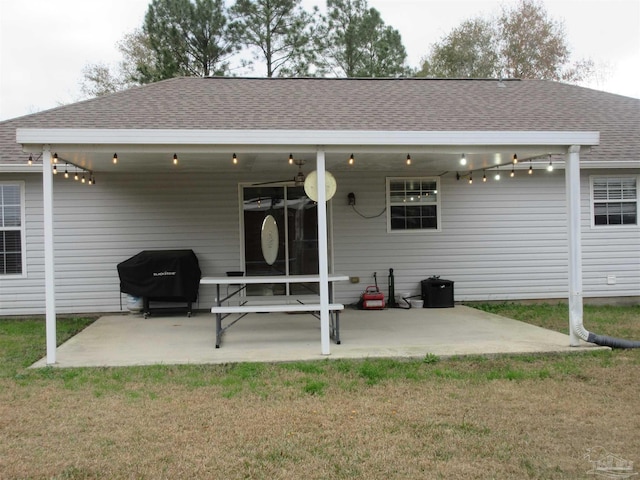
(505, 416)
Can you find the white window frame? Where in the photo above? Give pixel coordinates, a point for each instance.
(437, 203)
(592, 201)
(21, 228)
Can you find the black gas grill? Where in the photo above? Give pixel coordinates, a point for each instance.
(167, 276)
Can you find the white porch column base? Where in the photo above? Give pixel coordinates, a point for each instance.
(572, 179)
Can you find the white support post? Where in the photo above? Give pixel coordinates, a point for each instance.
(323, 261)
(49, 270)
(572, 180)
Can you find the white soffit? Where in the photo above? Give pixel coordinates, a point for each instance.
(326, 139)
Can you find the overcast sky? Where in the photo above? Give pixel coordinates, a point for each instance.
(44, 44)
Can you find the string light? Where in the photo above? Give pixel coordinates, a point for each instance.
(87, 175)
(513, 172)
(290, 159)
(515, 158)
(497, 175)
(463, 160)
(31, 160)
(408, 159)
(484, 176)
(55, 158)
(351, 160)
(175, 158)
(234, 159)
(115, 158)
(470, 178)
(550, 166)
(530, 168)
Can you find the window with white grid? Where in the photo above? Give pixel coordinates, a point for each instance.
(614, 200)
(413, 204)
(11, 229)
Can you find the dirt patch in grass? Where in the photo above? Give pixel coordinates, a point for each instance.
(454, 419)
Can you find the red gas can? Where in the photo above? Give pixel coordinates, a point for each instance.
(372, 298)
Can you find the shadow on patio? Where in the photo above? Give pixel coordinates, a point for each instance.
(120, 340)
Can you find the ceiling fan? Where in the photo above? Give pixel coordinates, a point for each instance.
(298, 180)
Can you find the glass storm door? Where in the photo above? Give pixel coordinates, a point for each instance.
(296, 217)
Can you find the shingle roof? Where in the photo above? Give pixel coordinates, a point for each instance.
(412, 104)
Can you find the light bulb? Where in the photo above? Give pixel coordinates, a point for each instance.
(463, 160)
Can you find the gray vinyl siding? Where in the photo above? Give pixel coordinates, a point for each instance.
(499, 241)
(609, 250)
(25, 293)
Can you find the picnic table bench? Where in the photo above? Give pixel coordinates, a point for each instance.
(283, 304)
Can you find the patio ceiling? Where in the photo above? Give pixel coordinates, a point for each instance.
(266, 152)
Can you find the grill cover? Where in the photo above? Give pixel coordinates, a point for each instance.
(170, 275)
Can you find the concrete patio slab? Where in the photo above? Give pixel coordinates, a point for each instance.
(121, 340)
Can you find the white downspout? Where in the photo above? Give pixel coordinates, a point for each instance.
(49, 263)
(323, 260)
(572, 180)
